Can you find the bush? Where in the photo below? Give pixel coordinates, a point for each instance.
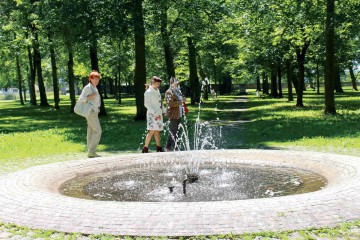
(7, 96)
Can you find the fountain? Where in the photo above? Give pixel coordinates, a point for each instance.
(217, 180)
(205, 136)
(193, 178)
(32, 197)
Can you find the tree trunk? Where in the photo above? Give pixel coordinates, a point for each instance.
(300, 54)
(93, 55)
(32, 90)
(119, 87)
(19, 77)
(338, 87)
(258, 84)
(279, 72)
(194, 79)
(289, 80)
(105, 85)
(37, 63)
(24, 91)
(317, 78)
(352, 76)
(274, 92)
(28, 81)
(215, 75)
(330, 58)
(71, 78)
(54, 72)
(70, 63)
(265, 84)
(169, 60)
(227, 83)
(140, 60)
(116, 90)
(205, 88)
(111, 86)
(95, 66)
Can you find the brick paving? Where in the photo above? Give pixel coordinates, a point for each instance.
(31, 198)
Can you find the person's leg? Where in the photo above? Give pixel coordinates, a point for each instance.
(148, 138)
(88, 135)
(172, 134)
(94, 123)
(147, 141)
(158, 142)
(157, 138)
(177, 134)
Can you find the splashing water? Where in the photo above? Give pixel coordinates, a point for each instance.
(205, 135)
(202, 135)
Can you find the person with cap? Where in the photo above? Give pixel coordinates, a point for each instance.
(174, 112)
(91, 94)
(154, 114)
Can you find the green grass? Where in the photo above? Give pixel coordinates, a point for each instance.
(277, 123)
(34, 135)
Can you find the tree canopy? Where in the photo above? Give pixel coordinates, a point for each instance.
(56, 43)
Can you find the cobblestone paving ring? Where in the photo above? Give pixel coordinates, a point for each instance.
(31, 198)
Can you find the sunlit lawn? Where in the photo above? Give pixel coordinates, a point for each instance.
(33, 135)
(42, 133)
(277, 123)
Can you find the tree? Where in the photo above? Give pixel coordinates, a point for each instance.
(54, 71)
(19, 76)
(194, 79)
(161, 14)
(37, 55)
(140, 62)
(330, 58)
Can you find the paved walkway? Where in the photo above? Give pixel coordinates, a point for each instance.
(31, 198)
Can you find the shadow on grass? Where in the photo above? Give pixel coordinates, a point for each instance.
(283, 122)
(245, 124)
(120, 131)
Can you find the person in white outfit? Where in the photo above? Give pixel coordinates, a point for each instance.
(154, 114)
(91, 94)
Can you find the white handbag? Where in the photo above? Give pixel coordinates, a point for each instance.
(83, 108)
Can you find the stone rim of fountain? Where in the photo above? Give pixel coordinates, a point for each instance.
(31, 198)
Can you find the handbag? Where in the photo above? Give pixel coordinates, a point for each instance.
(186, 110)
(83, 108)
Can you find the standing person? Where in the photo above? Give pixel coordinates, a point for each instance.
(91, 94)
(154, 114)
(174, 111)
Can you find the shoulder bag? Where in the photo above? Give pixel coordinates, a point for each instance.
(83, 108)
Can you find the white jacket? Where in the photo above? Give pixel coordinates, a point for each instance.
(153, 102)
(88, 90)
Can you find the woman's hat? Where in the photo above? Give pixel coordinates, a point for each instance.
(156, 79)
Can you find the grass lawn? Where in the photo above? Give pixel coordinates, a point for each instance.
(34, 135)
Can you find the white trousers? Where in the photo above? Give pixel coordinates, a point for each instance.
(93, 132)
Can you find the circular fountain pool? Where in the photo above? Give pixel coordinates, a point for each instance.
(168, 183)
(32, 197)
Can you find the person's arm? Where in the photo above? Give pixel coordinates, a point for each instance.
(86, 94)
(148, 102)
(170, 100)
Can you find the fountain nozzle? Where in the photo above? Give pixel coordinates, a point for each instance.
(191, 178)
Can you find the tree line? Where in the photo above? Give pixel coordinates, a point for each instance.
(269, 42)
